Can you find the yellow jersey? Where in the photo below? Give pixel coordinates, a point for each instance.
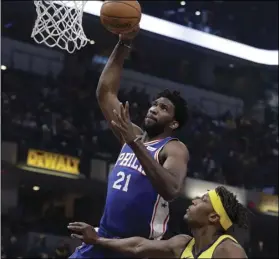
(206, 253)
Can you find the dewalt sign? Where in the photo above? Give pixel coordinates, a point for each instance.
(53, 161)
(268, 204)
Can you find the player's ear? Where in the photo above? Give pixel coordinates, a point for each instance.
(213, 217)
(174, 125)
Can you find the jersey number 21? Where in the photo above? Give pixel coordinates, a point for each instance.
(122, 183)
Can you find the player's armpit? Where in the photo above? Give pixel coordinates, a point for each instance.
(229, 249)
(176, 157)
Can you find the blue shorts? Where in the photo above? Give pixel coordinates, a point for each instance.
(93, 251)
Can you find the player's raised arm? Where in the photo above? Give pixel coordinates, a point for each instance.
(134, 246)
(109, 81)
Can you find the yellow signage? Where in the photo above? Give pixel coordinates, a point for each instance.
(268, 203)
(53, 161)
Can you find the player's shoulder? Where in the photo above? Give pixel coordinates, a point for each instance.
(176, 143)
(229, 249)
(177, 147)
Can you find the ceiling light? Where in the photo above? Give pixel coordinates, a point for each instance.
(36, 188)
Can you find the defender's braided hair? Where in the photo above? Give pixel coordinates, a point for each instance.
(235, 210)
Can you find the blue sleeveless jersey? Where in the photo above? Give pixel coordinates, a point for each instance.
(133, 207)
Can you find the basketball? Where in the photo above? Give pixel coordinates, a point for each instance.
(120, 17)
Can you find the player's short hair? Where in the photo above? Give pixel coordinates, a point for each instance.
(237, 213)
(180, 105)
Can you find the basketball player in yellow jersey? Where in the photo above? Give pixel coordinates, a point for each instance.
(208, 217)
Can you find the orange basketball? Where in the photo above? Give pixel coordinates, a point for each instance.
(120, 16)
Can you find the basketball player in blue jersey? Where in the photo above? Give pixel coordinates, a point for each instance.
(209, 218)
(151, 166)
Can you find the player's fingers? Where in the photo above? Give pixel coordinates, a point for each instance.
(75, 224)
(116, 126)
(127, 113)
(77, 236)
(118, 117)
(122, 111)
(75, 228)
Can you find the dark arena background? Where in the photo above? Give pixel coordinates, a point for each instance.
(50, 114)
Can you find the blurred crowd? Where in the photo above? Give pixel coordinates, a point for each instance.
(63, 116)
(235, 151)
(14, 246)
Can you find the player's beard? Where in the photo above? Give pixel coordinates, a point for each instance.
(153, 130)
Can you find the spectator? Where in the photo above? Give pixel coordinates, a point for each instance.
(39, 248)
(13, 249)
(62, 251)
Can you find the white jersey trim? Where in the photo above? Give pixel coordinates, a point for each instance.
(160, 216)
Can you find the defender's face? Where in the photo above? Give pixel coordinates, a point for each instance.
(159, 116)
(198, 214)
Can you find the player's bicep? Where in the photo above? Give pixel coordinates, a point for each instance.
(161, 248)
(177, 157)
(176, 163)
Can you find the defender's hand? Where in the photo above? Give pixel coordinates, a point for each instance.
(130, 35)
(85, 232)
(123, 124)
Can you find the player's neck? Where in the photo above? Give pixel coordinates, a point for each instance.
(203, 237)
(147, 138)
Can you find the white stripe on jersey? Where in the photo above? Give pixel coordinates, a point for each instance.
(160, 218)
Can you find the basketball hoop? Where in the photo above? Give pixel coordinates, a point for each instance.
(59, 23)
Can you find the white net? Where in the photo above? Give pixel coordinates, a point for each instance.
(59, 23)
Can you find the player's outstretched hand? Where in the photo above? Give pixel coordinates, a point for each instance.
(130, 35)
(84, 232)
(123, 124)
